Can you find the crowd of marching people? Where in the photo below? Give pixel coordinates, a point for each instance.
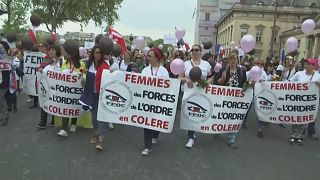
(155, 62)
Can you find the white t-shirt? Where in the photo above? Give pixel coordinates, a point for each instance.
(302, 76)
(123, 66)
(289, 74)
(160, 72)
(204, 66)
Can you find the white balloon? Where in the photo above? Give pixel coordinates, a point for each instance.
(308, 26)
(146, 50)
(160, 46)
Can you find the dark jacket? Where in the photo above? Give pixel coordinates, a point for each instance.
(242, 77)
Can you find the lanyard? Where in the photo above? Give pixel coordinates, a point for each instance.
(156, 71)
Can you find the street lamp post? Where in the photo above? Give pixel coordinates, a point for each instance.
(313, 6)
(275, 4)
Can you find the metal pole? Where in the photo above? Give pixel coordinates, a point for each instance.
(274, 25)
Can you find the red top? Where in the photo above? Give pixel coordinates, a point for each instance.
(100, 69)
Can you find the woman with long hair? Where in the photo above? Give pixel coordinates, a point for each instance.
(90, 97)
(206, 71)
(71, 63)
(55, 61)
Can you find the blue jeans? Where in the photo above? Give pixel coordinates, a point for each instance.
(232, 138)
(99, 127)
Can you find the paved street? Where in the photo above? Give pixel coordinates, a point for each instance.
(26, 153)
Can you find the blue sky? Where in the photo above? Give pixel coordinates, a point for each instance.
(152, 18)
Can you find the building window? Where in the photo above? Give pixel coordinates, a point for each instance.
(244, 31)
(207, 16)
(259, 35)
(245, 14)
(206, 28)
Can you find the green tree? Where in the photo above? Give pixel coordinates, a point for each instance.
(17, 10)
(56, 12)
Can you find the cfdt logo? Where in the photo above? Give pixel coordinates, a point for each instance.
(266, 102)
(44, 89)
(115, 97)
(197, 108)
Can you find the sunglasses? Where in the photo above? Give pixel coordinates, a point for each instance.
(195, 50)
(139, 58)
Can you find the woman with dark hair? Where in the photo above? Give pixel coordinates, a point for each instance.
(234, 76)
(155, 55)
(54, 62)
(71, 63)
(90, 97)
(205, 67)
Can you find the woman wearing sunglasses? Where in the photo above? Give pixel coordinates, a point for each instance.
(90, 97)
(289, 69)
(206, 71)
(155, 68)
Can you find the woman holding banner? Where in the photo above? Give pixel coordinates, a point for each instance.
(154, 56)
(308, 75)
(71, 63)
(90, 97)
(206, 71)
(234, 76)
(55, 61)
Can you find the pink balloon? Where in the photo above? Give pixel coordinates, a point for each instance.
(291, 44)
(308, 26)
(217, 67)
(248, 42)
(255, 73)
(139, 42)
(180, 33)
(177, 66)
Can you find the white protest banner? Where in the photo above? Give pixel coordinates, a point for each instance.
(59, 92)
(214, 109)
(286, 102)
(88, 45)
(136, 100)
(32, 61)
(169, 39)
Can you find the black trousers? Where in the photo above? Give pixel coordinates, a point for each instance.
(191, 134)
(44, 117)
(311, 129)
(65, 122)
(148, 135)
(11, 99)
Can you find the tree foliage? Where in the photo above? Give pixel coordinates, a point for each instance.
(17, 10)
(57, 12)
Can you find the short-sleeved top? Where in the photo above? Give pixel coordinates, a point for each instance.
(302, 76)
(204, 66)
(65, 65)
(289, 74)
(151, 71)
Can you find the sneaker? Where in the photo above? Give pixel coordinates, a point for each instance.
(233, 145)
(99, 146)
(73, 128)
(190, 143)
(299, 141)
(291, 140)
(260, 133)
(94, 139)
(41, 126)
(110, 125)
(29, 100)
(62, 133)
(154, 141)
(146, 152)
